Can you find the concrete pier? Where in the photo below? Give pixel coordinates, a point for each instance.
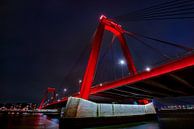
(80, 108)
(80, 113)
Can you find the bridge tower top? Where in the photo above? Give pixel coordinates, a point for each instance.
(118, 31)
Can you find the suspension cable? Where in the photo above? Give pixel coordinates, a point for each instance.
(161, 41)
(147, 45)
(101, 62)
(162, 11)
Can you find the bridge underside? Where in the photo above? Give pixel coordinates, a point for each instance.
(174, 84)
(170, 80)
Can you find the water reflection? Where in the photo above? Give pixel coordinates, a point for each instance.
(37, 121)
(40, 121)
(143, 125)
(152, 125)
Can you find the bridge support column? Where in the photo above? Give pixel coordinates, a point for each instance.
(127, 54)
(92, 62)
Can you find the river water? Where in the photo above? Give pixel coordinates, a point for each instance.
(40, 121)
(36, 121)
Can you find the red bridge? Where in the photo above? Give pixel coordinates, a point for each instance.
(174, 78)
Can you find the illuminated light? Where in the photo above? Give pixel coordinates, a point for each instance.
(50, 89)
(122, 62)
(57, 94)
(58, 100)
(64, 89)
(80, 81)
(147, 69)
(102, 16)
(100, 84)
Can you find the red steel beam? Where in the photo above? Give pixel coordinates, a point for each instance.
(49, 90)
(127, 54)
(60, 101)
(105, 24)
(54, 103)
(161, 70)
(92, 63)
(118, 31)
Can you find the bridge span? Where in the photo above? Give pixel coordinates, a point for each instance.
(169, 80)
(172, 79)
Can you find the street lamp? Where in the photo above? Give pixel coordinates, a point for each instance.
(65, 89)
(122, 63)
(57, 95)
(147, 69)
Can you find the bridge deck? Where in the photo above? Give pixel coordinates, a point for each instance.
(169, 80)
(173, 84)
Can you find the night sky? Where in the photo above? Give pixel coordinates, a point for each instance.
(41, 40)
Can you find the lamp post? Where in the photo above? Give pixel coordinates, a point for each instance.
(64, 91)
(57, 96)
(147, 69)
(80, 81)
(122, 63)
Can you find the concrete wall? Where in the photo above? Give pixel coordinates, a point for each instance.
(71, 107)
(77, 107)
